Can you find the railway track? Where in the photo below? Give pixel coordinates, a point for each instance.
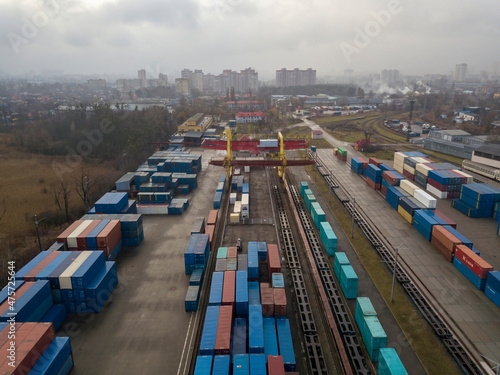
(379, 242)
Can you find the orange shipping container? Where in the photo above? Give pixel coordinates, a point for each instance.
(279, 302)
(447, 253)
(109, 237)
(210, 229)
(63, 237)
(273, 259)
(447, 239)
(212, 217)
(81, 239)
(232, 252)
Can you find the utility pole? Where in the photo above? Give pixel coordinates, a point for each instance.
(394, 274)
(37, 222)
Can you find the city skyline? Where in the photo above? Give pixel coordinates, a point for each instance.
(113, 36)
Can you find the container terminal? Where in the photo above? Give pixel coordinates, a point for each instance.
(251, 272)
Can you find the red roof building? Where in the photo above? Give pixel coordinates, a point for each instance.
(248, 117)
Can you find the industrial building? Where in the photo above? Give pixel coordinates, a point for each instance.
(248, 117)
(453, 142)
(488, 155)
(196, 123)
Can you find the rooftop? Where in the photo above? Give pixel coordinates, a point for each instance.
(453, 132)
(492, 148)
(251, 114)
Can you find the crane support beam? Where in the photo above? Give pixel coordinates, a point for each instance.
(262, 163)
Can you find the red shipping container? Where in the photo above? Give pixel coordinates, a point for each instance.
(474, 262)
(374, 161)
(229, 288)
(408, 175)
(32, 339)
(448, 221)
(30, 276)
(437, 185)
(63, 237)
(210, 229)
(264, 286)
(267, 301)
(273, 259)
(224, 330)
(109, 237)
(448, 254)
(212, 217)
(372, 184)
(447, 239)
(280, 305)
(232, 252)
(390, 178)
(81, 240)
(365, 163)
(275, 365)
(383, 189)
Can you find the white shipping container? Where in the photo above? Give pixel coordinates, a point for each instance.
(247, 168)
(407, 186)
(232, 198)
(234, 218)
(399, 157)
(424, 169)
(160, 209)
(421, 160)
(237, 207)
(237, 171)
(440, 194)
(72, 237)
(245, 199)
(409, 169)
(65, 277)
(426, 199)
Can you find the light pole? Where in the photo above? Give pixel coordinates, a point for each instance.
(37, 233)
(394, 274)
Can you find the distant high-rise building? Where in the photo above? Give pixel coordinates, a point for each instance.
(96, 84)
(182, 86)
(495, 69)
(196, 81)
(460, 72)
(390, 77)
(295, 77)
(242, 82)
(162, 80)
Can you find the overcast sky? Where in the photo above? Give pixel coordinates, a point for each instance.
(122, 36)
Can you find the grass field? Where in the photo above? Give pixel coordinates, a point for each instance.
(427, 347)
(27, 185)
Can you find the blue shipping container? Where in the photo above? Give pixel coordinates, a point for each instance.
(222, 365)
(215, 298)
(241, 364)
(203, 365)
(255, 329)
(241, 293)
(258, 364)
(207, 343)
(239, 339)
(270, 337)
(286, 344)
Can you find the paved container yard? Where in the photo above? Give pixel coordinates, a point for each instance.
(471, 315)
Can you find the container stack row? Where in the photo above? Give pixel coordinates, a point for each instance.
(346, 275)
(371, 329)
(114, 203)
(478, 200)
(358, 165)
(80, 280)
(131, 228)
(245, 329)
(37, 350)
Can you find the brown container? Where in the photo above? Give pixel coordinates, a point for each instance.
(280, 305)
(267, 301)
(383, 189)
(212, 217)
(109, 237)
(224, 327)
(449, 222)
(372, 184)
(210, 229)
(374, 161)
(275, 365)
(232, 252)
(442, 249)
(273, 259)
(474, 262)
(81, 240)
(447, 239)
(408, 175)
(229, 288)
(63, 237)
(390, 178)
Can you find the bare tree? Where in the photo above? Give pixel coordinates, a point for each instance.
(3, 210)
(62, 193)
(84, 185)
